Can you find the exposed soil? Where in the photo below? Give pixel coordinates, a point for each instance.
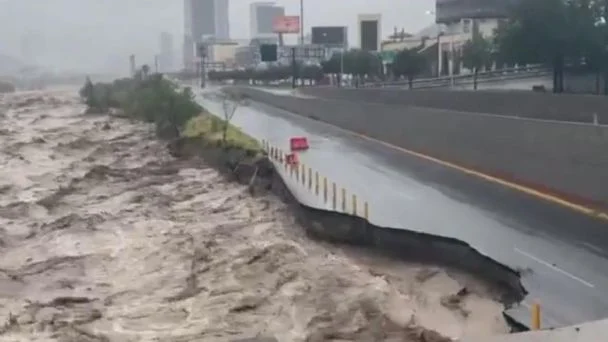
(104, 236)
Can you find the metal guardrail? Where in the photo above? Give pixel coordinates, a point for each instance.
(466, 79)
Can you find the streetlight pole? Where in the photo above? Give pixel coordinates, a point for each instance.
(341, 67)
(301, 22)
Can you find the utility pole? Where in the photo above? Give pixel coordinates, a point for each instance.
(132, 65)
(301, 22)
(202, 53)
(294, 68)
(203, 76)
(341, 67)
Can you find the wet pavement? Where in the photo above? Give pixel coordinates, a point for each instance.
(561, 254)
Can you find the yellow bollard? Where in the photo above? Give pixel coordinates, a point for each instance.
(354, 205)
(535, 316)
(303, 174)
(366, 211)
(297, 172)
(309, 178)
(334, 196)
(325, 189)
(316, 183)
(343, 200)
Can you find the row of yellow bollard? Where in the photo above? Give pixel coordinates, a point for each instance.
(300, 173)
(305, 175)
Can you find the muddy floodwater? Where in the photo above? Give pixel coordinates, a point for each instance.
(105, 237)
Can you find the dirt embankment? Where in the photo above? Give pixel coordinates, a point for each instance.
(106, 237)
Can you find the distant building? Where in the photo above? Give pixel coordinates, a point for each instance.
(222, 55)
(245, 57)
(32, 46)
(262, 15)
(206, 18)
(166, 52)
(451, 11)
(370, 34)
(461, 18)
(188, 55)
(203, 20)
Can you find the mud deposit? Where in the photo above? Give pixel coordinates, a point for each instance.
(105, 237)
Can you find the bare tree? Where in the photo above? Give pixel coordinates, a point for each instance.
(230, 103)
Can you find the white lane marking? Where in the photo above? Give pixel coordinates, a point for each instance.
(593, 247)
(555, 268)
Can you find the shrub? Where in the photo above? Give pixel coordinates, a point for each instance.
(149, 98)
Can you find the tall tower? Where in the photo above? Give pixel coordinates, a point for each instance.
(166, 52)
(205, 19)
(262, 15)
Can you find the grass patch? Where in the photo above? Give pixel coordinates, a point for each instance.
(209, 127)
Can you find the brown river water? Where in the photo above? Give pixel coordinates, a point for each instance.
(105, 237)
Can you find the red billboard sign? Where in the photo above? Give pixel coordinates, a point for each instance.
(286, 24)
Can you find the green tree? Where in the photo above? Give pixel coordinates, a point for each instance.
(476, 54)
(551, 32)
(360, 63)
(409, 63)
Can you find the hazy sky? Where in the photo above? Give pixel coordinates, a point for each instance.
(100, 34)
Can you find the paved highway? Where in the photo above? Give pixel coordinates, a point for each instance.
(563, 254)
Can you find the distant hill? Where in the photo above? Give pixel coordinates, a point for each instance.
(10, 65)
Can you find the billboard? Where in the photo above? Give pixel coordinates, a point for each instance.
(329, 35)
(286, 24)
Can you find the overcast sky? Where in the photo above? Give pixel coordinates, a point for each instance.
(100, 34)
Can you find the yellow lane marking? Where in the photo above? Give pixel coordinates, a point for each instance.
(547, 197)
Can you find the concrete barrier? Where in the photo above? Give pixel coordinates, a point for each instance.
(566, 160)
(562, 107)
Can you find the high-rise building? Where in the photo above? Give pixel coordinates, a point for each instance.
(166, 52)
(262, 15)
(205, 19)
(188, 56)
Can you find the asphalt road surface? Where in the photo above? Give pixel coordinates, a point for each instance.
(562, 254)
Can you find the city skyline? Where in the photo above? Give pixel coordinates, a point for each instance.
(113, 29)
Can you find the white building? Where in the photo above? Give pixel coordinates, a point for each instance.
(456, 34)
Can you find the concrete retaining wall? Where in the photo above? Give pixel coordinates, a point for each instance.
(563, 107)
(569, 160)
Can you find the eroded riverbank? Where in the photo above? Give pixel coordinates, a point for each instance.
(106, 237)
